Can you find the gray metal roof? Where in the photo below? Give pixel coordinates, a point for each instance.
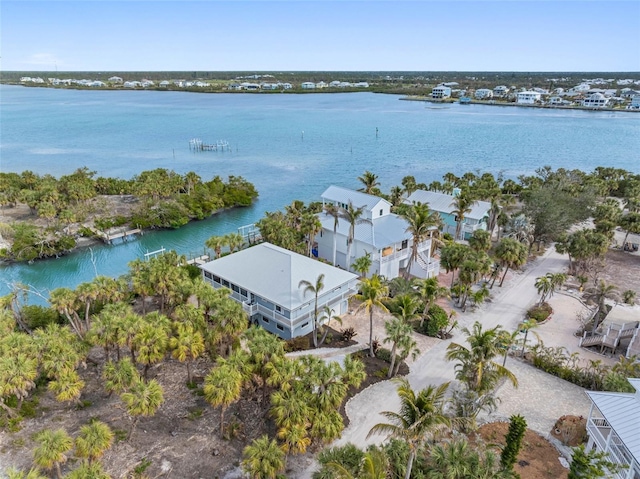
(622, 412)
(381, 232)
(274, 273)
(344, 195)
(443, 203)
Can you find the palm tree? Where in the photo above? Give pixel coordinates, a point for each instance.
(374, 465)
(235, 241)
(222, 387)
(65, 301)
(52, 449)
(370, 182)
(362, 264)
(452, 256)
(327, 315)
(310, 227)
(33, 473)
(119, 376)
(398, 333)
(512, 254)
(476, 368)
(150, 342)
(405, 308)
(88, 470)
(373, 291)
(421, 223)
(263, 459)
(143, 399)
(353, 216)
(187, 345)
(526, 326)
(420, 418)
(462, 204)
(18, 372)
(544, 286)
(295, 439)
(315, 289)
(216, 243)
(93, 440)
(429, 291)
(333, 211)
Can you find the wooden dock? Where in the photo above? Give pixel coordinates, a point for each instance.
(109, 237)
(199, 260)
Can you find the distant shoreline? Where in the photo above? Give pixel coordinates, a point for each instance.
(502, 103)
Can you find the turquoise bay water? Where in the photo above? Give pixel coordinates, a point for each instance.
(289, 146)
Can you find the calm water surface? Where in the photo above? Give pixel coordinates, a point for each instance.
(289, 146)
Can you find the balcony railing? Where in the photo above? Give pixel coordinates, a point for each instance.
(600, 430)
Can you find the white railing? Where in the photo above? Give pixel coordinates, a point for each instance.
(250, 308)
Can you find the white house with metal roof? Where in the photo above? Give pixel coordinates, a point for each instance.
(383, 235)
(443, 204)
(265, 280)
(613, 426)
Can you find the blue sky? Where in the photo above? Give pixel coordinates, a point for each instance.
(507, 35)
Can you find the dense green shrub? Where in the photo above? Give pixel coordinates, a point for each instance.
(436, 320)
(539, 312)
(36, 316)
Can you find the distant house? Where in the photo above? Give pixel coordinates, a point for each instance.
(613, 427)
(321, 84)
(483, 94)
(164, 84)
(249, 86)
(234, 86)
(334, 83)
(635, 103)
(269, 86)
(115, 79)
(132, 84)
(287, 86)
(441, 91)
(528, 97)
(384, 237)
(308, 85)
(443, 204)
(500, 91)
(557, 101)
(595, 100)
(361, 84)
(265, 279)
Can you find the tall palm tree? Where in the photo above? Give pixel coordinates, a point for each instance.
(452, 256)
(476, 367)
(52, 449)
(310, 227)
(93, 440)
(65, 301)
(222, 387)
(263, 459)
(119, 376)
(333, 211)
(353, 216)
(315, 289)
(429, 291)
(151, 341)
(421, 221)
(370, 182)
(462, 204)
(216, 243)
(144, 398)
(235, 241)
(18, 372)
(512, 254)
(543, 286)
(599, 294)
(398, 333)
(421, 417)
(187, 344)
(362, 264)
(373, 291)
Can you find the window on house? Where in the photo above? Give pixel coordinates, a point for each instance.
(225, 283)
(265, 320)
(278, 309)
(235, 288)
(405, 244)
(216, 278)
(280, 327)
(243, 292)
(207, 274)
(380, 212)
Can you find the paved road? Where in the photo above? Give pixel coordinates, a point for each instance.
(534, 399)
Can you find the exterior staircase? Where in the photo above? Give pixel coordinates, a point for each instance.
(610, 338)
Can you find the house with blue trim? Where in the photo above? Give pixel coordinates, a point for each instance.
(443, 203)
(265, 279)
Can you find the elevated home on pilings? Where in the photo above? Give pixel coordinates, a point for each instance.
(382, 234)
(613, 426)
(265, 279)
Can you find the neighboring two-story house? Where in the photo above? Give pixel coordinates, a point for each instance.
(442, 203)
(383, 235)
